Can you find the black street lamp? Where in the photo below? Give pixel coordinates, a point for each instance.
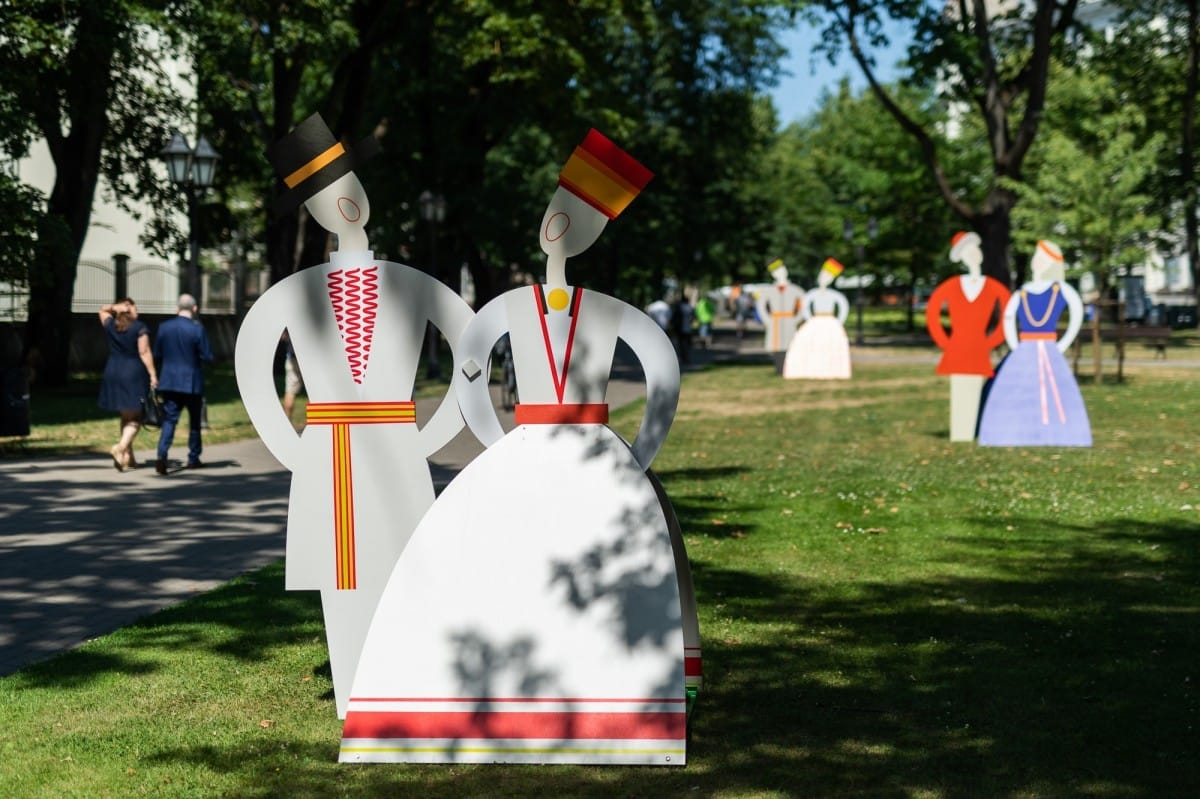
(433, 211)
(859, 297)
(192, 171)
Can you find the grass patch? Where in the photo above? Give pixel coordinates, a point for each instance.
(884, 613)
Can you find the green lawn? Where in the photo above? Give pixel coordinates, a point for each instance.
(884, 614)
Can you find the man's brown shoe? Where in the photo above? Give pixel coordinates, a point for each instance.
(160, 466)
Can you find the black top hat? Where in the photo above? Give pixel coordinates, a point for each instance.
(309, 158)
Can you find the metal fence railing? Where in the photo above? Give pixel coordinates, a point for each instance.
(154, 286)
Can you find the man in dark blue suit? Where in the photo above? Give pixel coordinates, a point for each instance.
(181, 348)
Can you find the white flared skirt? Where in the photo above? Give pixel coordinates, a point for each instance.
(534, 617)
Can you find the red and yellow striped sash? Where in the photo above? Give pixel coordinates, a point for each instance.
(339, 416)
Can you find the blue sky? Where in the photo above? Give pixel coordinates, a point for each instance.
(799, 93)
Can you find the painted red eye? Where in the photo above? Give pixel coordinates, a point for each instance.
(556, 226)
(349, 209)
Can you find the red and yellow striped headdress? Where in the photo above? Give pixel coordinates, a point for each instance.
(832, 267)
(603, 175)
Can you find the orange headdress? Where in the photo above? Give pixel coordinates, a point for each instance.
(832, 267)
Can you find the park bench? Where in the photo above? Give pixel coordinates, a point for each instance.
(1103, 328)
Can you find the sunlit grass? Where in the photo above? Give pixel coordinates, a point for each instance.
(884, 613)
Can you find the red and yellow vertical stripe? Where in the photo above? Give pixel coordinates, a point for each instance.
(340, 416)
(343, 510)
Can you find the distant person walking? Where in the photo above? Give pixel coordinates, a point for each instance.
(743, 308)
(706, 311)
(129, 374)
(181, 346)
(660, 312)
(682, 318)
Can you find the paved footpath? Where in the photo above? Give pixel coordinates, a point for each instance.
(85, 549)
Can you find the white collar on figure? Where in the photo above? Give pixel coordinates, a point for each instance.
(348, 258)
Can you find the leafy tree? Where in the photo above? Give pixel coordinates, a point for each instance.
(264, 65)
(1087, 179)
(504, 89)
(850, 169)
(481, 102)
(87, 78)
(994, 64)
(1154, 56)
(19, 208)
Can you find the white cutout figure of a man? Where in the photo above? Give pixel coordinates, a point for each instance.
(360, 474)
(780, 308)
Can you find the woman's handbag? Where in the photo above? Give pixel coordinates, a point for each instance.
(152, 410)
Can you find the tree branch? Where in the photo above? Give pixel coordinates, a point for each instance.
(907, 123)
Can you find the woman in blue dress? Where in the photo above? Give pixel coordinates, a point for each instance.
(1034, 399)
(128, 374)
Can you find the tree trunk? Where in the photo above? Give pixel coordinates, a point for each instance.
(280, 234)
(76, 154)
(47, 344)
(995, 230)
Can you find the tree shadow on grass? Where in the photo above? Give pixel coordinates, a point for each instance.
(1051, 660)
(1067, 671)
(1069, 675)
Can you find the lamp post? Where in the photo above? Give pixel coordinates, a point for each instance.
(192, 171)
(433, 211)
(859, 297)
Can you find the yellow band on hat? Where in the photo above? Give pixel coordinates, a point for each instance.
(315, 165)
(595, 182)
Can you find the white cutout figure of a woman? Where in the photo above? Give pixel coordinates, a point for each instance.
(360, 474)
(535, 615)
(820, 349)
(973, 302)
(1034, 399)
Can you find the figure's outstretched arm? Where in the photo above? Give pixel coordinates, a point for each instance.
(1075, 318)
(933, 317)
(806, 307)
(1010, 320)
(843, 307)
(996, 336)
(451, 316)
(254, 356)
(654, 351)
(471, 368)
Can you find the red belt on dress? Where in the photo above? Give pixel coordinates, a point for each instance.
(339, 416)
(554, 413)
